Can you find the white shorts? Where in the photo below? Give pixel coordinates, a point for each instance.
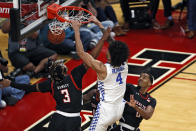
(105, 115)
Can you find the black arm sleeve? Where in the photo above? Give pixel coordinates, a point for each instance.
(77, 74)
(45, 86)
(25, 87)
(153, 102)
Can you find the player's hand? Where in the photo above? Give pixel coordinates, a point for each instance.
(132, 102)
(5, 83)
(106, 33)
(96, 21)
(76, 25)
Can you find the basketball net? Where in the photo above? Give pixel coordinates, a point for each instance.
(57, 27)
(63, 16)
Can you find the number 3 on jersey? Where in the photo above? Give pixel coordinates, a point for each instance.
(66, 98)
(119, 78)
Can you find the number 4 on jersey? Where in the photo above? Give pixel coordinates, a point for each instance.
(119, 78)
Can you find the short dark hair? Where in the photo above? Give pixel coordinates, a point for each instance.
(150, 76)
(119, 53)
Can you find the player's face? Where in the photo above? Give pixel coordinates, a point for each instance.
(144, 80)
(108, 57)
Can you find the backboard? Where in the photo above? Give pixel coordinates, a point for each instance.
(27, 15)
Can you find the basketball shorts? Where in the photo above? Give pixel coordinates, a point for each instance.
(59, 122)
(105, 115)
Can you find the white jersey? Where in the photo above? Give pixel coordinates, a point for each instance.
(112, 88)
(111, 105)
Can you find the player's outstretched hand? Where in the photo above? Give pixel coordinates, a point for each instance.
(132, 102)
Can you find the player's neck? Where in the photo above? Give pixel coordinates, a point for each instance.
(143, 90)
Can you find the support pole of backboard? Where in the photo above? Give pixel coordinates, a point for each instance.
(16, 4)
(15, 21)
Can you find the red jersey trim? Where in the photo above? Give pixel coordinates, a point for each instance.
(74, 83)
(144, 97)
(52, 88)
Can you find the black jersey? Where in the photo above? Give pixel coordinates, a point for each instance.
(67, 93)
(130, 115)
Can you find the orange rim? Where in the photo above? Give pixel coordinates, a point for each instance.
(61, 19)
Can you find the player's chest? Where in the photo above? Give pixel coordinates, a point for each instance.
(142, 101)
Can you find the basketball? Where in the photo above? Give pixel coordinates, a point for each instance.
(56, 38)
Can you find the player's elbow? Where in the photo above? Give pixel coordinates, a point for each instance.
(86, 59)
(147, 117)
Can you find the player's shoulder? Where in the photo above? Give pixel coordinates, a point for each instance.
(79, 68)
(129, 85)
(152, 98)
(130, 88)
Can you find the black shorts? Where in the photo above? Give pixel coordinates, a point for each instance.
(59, 122)
(19, 60)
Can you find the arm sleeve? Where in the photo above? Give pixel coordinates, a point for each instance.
(25, 87)
(153, 102)
(45, 86)
(77, 74)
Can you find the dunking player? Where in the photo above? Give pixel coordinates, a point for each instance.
(111, 81)
(140, 105)
(66, 90)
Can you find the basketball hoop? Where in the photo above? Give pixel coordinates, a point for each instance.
(64, 15)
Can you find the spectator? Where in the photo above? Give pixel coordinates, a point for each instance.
(104, 12)
(191, 19)
(28, 54)
(126, 13)
(167, 13)
(9, 94)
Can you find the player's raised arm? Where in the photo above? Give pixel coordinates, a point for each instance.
(106, 33)
(98, 66)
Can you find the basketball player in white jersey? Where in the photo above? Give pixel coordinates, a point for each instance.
(111, 81)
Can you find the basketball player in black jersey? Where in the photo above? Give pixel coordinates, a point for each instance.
(66, 90)
(140, 105)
